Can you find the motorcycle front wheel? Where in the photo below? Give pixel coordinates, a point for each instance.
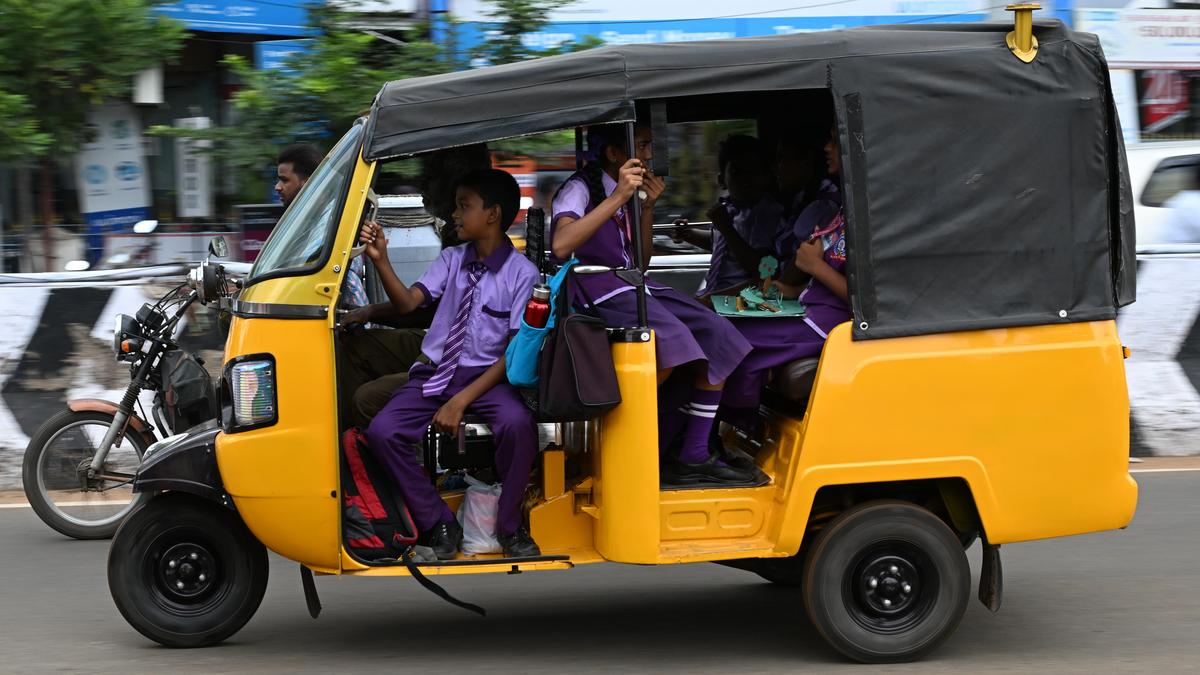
(55, 478)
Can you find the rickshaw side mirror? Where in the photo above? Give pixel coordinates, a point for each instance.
(218, 248)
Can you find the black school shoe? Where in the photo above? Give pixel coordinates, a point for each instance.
(445, 539)
(519, 544)
(711, 471)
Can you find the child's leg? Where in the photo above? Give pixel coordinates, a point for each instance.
(393, 436)
(515, 433)
(701, 415)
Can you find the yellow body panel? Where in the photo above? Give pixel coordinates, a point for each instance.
(1036, 420)
(626, 469)
(284, 478)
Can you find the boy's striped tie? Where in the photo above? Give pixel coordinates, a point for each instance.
(452, 349)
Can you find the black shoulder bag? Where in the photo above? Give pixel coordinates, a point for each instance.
(576, 377)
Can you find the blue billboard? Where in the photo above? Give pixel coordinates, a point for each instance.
(286, 18)
(274, 54)
(470, 34)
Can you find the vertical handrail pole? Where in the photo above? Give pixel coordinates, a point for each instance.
(635, 217)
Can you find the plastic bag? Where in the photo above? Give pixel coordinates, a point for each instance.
(477, 515)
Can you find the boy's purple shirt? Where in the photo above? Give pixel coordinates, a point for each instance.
(500, 299)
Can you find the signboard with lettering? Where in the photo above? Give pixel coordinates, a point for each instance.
(637, 22)
(1145, 38)
(110, 171)
(274, 54)
(193, 172)
(256, 17)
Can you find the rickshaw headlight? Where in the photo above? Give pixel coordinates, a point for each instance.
(252, 394)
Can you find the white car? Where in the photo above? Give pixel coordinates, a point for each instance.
(1158, 171)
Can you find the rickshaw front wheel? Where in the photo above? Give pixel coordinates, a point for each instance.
(186, 572)
(886, 581)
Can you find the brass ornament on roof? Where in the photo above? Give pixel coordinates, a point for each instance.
(1021, 39)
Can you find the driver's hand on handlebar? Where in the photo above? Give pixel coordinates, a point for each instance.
(679, 234)
(356, 317)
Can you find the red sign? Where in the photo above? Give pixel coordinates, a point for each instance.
(1165, 99)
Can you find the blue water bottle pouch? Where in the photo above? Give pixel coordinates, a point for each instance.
(521, 356)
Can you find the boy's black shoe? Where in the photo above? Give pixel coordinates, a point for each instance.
(709, 472)
(518, 544)
(445, 539)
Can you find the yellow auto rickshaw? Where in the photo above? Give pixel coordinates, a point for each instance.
(977, 393)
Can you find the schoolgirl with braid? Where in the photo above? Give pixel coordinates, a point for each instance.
(589, 222)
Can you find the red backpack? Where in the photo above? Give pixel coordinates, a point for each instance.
(376, 520)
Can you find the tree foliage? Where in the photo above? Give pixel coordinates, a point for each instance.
(316, 98)
(324, 88)
(58, 59)
(20, 140)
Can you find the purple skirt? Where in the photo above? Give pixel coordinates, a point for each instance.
(775, 342)
(685, 330)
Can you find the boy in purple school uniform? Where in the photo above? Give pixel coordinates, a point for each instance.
(483, 286)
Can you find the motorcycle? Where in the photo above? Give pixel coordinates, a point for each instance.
(79, 467)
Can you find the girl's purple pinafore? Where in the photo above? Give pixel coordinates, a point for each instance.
(780, 341)
(685, 330)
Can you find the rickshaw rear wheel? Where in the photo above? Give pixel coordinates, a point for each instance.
(887, 581)
(186, 572)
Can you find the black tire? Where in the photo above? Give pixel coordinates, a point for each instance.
(922, 582)
(186, 572)
(35, 489)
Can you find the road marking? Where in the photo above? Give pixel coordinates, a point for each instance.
(1182, 470)
(25, 505)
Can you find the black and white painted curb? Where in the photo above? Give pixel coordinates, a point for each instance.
(58, 346)
(1163, 331)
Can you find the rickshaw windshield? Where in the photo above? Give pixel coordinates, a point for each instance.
(299, 240)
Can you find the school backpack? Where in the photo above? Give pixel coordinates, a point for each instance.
(376, 520)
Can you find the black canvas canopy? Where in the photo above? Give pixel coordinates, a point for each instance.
(980, 191)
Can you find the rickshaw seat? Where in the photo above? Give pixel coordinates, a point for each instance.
(794, 381)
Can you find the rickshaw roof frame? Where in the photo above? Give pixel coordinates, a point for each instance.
(998, 190)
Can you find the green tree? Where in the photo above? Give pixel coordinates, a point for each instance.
(20, 140)
(515, 19)
(58, 59)
(316, 98)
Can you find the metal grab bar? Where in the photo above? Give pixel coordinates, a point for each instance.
(592, 269)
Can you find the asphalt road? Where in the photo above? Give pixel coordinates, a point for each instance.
(1116, 602)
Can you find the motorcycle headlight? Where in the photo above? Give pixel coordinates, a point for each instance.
(125, 330)
(252, 393)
